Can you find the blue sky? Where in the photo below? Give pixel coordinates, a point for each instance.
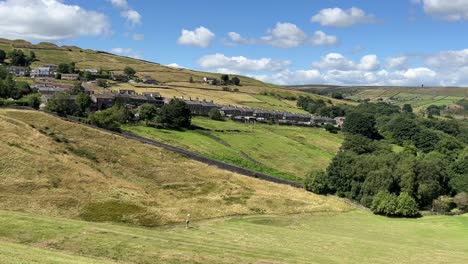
(401, 42)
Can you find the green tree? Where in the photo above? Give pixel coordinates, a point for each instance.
(362, 124)
(225, 78)
(406, 206)
(77, 89)
(111, 118)
(3, 72)
(407, 108)
(17, 58)
(2, 55)
(33, 100)
(129, 71)
(384, 203)
(215, 114)
(102, 83)
(403, 127)
(316, 182)
(236, 81)
(64, 68)
(62, 104)
(426, 140)
(83, 101)
(461, 200)
(147, 112)
(358, 144)
(176, 114)
(191, 79)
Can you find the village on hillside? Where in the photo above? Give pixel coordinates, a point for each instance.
(46, 81)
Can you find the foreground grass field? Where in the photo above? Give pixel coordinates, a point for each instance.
(283, 151)
(52, 167)
(353, 237)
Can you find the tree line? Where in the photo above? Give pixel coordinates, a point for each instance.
(397, 163)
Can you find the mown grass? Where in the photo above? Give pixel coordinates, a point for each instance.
(57, 168)
(283, 151)
(353, 237)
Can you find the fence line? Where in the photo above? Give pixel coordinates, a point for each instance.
(182, 151)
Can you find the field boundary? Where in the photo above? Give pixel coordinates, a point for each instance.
(184, 152)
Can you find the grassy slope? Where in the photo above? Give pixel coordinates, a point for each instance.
(174, 81)
(353, 237)
(73, 171)
(416, 96)
(287, 152)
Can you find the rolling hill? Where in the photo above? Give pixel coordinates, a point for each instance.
(287, 152)
(173, 81)
(57, 168)
(418, 97)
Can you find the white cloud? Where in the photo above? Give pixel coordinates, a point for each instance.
(138, 37)
(397, 63)
(369, 63)
(450, 10)
(287, 77)
(336, 61)
(320, 38)
(127, 52)
(200, 37)
(49, 20)
(337, 17)
(121, 4)
(221, 63)
(131, 16)
(285, 35)
(175, 65)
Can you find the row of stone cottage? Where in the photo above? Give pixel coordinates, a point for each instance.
(197, 107)
(202, 108)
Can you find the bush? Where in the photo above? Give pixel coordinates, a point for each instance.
(385, 203)
(331, 128)
(215, 114)
(176, 114)
(316, 182)
(110, 118)
(406, 206)
(461, 200)
(443, 205)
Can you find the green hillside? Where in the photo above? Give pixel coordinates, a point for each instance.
(416, 96)
(353, 237)
(57, 168)
(284, 151)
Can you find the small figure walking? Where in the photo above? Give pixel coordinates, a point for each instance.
(187, 221)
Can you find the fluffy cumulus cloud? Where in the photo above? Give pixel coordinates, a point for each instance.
(175, 65)
(221, 63)
(285, 35)
(132, 16)
(320, 38)
(445, 68)
(397, 63)
(49, 20)
(451, 10)
(337, 17)
(200, 37)
(127, 52)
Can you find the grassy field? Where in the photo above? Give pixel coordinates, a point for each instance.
(352, 237)
(283, 151)
(416, 96)
(57, 168)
